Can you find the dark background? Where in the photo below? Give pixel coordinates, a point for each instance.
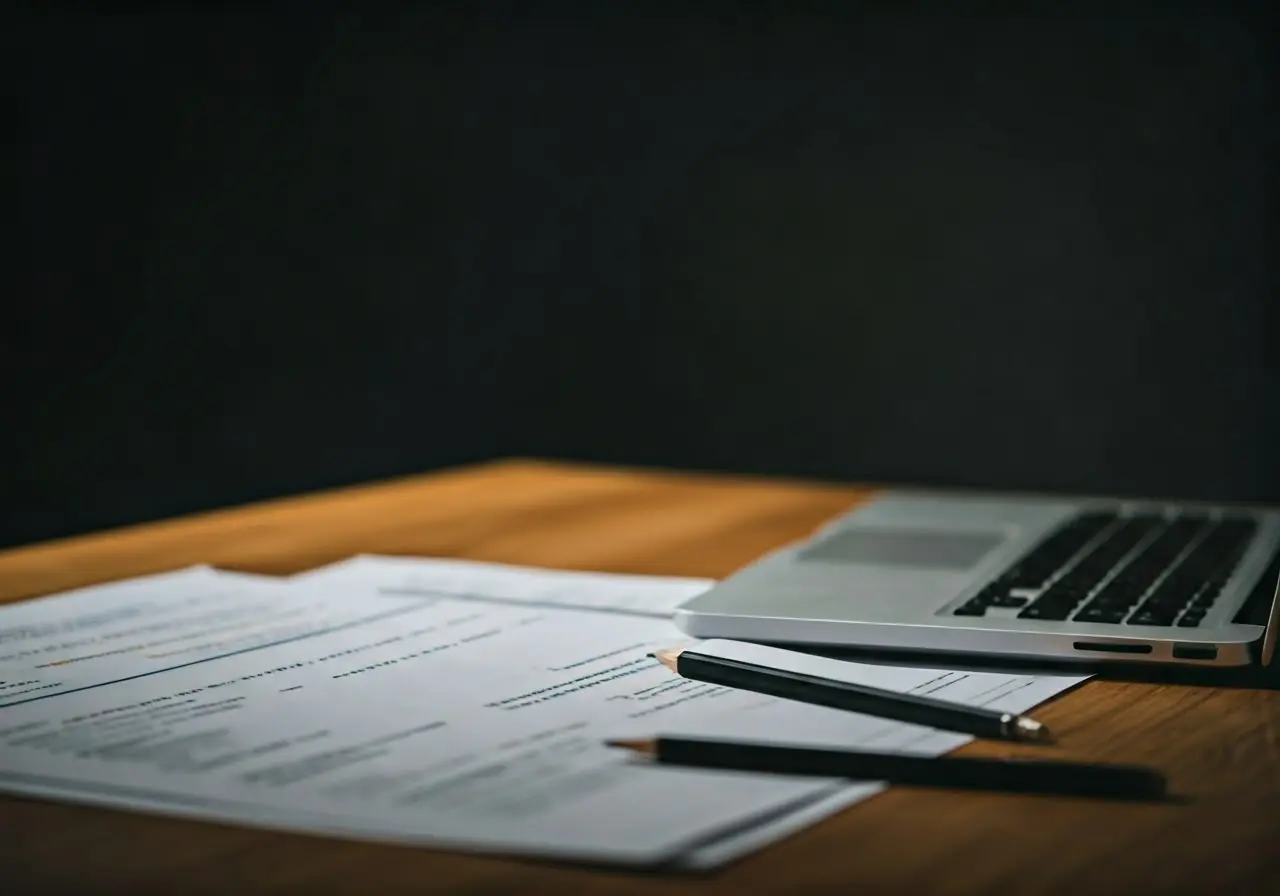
(260, 253)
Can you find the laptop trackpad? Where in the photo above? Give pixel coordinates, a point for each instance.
(918, 549)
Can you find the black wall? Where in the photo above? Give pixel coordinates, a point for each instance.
(262, 254)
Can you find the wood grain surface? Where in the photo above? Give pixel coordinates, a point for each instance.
(1220, 746)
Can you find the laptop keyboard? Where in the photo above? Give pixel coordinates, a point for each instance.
(1135, 569)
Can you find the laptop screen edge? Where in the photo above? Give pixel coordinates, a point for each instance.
(1269, 634)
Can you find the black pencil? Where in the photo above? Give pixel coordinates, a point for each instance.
(1015, 775)
(912, 708)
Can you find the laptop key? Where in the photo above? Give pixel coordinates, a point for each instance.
(1168, 600)
(1175, 591)
(1046, 611)
(1101, 614)
(971, 608)
(1114, 593)
(1066, 592)
(1189, 621)
(1009, 600)
(1111, 606)
(1112, 600)
(1207, 595)
(1053, 598)
(1151, 617)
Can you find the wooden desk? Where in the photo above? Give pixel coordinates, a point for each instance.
(1221, 747)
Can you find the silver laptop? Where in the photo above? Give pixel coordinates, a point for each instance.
(1016, 576)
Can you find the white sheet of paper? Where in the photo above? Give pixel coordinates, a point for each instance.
(454, 722)
(656, 596)
(105, 633)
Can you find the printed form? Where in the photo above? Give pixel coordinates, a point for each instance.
(640, 595)
(322, 704)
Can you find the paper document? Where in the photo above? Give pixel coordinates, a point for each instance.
(656, 596)
(93, 636)
(448, 721)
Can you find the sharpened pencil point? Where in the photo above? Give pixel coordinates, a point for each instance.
(668, 658)
(647, 747)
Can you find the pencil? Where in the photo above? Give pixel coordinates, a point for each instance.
(912, 708)
(1014, 775)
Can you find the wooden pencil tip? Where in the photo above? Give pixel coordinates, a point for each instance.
(647, 747)
(668, 658)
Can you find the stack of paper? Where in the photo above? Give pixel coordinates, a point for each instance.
(434, 702)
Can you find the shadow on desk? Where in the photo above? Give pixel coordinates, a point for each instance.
(1243, 677)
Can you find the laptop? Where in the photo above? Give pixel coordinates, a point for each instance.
(1046, 578)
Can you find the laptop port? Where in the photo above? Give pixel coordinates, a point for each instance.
(1195, 652)
(1112, 647)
